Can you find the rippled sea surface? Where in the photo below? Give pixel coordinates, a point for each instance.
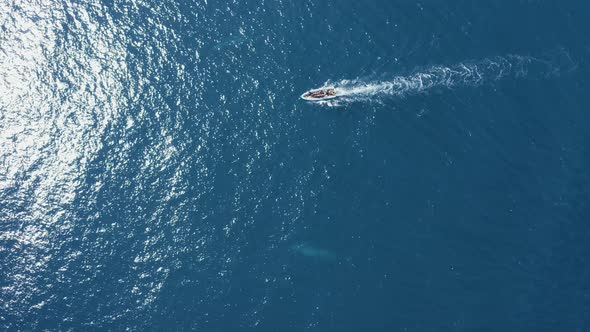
(158, 170)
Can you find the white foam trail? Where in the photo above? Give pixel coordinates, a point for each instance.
(471, 73)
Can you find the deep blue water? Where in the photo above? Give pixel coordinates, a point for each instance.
(158, 170)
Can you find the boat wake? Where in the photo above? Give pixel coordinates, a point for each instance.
(467, 74)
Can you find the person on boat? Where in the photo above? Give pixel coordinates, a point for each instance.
(322, 93)
(317, 94)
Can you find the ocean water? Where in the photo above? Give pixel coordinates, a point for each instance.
(158, 170)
